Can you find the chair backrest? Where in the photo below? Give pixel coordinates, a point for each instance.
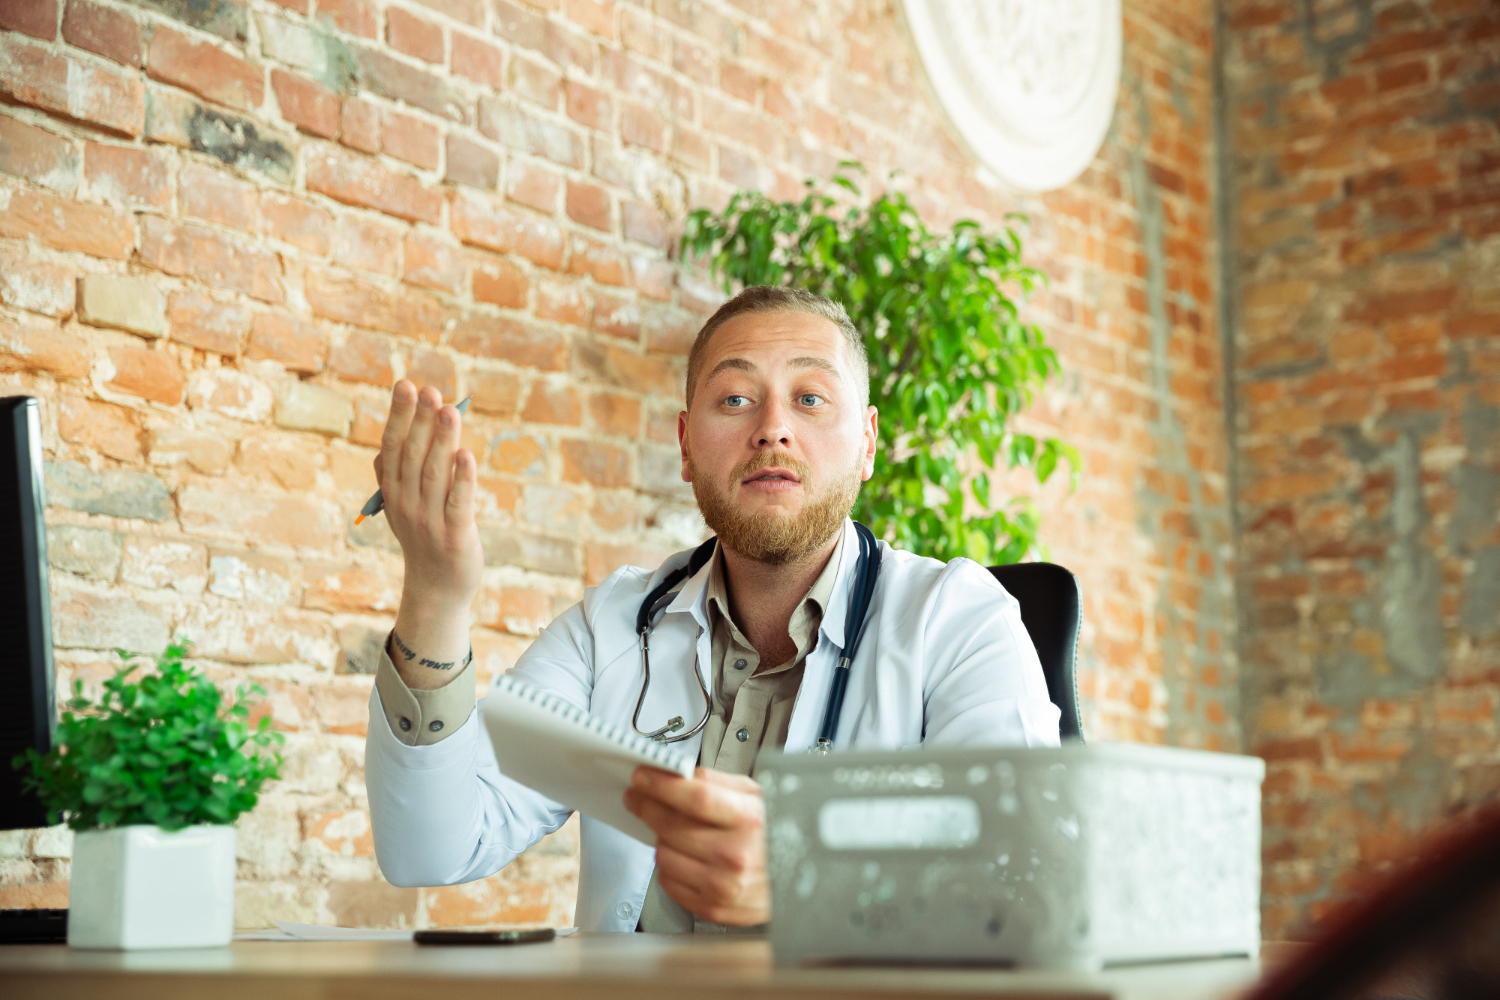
(1052, 611)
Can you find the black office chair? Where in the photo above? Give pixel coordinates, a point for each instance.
(1052, 611)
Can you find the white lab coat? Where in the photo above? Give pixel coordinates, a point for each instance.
(944, 660)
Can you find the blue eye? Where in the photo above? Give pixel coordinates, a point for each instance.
(808, 399)
(736, 401)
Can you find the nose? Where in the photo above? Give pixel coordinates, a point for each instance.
(774, 428)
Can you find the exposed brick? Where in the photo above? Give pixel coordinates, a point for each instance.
(238, 142)
(536, 81)
(153, 375)
(471, 163)
(211, 258)
(308, 105)
(31, 346)
(363, 357)
(432, 263)
(37, 18)
(206, 324)
(589, 106)
(304, 225)
(644, 224)
(205, 69)
(562, 301)
(66, 224)
(531, 184)
(506, 339)
(516, 127)
(478, 60)
(615, 413)
(359, 125)
(589, 205)
(110, 33)
(641, 126)
(125, 303)
(302, 406)
(38, 155)
(411, 139)
(214, 196)
(370, 244)
(436, 370)
(617, 316)
(347, 299)
(496, 393)
(356, 182)
(399, 81)
(414, 36)
(296, 344)
(595, 463)
(470, 12)
(500, 283)
(127, 174)
(38, 285)
(481, 222)
(604, 263)
(549, 403)
(110, 429)
(358, 17)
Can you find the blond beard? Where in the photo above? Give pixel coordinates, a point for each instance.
(774, 536)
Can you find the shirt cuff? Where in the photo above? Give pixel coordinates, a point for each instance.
(422, 718)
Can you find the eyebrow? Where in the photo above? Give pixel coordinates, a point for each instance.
(807, 361)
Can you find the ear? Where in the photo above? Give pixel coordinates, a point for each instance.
(682, 444)
(872, 439)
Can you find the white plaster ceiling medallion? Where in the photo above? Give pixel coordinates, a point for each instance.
(1030, 85)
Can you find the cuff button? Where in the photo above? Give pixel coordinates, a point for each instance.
(436, 725)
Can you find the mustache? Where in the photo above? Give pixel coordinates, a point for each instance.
(766, 460)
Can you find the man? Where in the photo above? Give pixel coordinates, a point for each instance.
(776, 438)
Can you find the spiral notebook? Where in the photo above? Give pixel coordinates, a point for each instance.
(570, 756)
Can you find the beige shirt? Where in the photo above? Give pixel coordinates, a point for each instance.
(752, 708)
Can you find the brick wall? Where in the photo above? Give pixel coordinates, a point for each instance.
(226, 227)
(1366, 186)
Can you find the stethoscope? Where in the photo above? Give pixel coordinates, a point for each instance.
(859, 604)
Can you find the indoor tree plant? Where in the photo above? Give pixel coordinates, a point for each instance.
(151, 776)
(950, 359)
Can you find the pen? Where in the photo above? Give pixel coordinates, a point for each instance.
(376, 503)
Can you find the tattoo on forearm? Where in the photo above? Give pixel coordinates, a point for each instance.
(410, 654)
(406, 650)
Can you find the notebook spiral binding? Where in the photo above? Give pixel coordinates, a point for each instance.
(658, 753)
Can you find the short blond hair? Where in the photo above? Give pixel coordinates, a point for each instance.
(778, 298)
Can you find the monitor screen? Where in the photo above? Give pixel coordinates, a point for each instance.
(27, 712)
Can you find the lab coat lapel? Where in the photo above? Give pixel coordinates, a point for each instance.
(817, 671)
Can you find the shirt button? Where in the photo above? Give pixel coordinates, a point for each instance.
(625, 909)
(741, 664)
(436, 726)
(405, 724)
(742, 735)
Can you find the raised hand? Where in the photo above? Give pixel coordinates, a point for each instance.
(428, 484)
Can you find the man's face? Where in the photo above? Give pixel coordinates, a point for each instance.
(778, 438)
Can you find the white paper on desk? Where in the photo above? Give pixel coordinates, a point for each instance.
(577, 759)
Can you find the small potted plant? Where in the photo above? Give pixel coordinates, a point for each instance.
(151, 777)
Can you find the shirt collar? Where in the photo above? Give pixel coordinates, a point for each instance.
(813, 604)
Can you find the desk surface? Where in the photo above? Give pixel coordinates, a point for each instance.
(602, 966)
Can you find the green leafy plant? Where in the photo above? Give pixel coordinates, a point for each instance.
(950, 359)
(162, 750)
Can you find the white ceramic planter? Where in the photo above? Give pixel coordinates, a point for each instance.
(142, 887)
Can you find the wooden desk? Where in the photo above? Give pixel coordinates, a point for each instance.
(602, 966)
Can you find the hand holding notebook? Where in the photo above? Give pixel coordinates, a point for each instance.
(572, 757)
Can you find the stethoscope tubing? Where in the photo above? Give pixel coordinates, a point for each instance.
(866, 576)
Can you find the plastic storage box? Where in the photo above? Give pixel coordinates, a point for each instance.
(1064, 858)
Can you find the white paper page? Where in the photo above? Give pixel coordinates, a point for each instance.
(571, 757)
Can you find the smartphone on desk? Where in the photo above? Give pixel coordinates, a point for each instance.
(484, 937)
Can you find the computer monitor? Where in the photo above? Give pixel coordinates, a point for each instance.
(28, 716)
